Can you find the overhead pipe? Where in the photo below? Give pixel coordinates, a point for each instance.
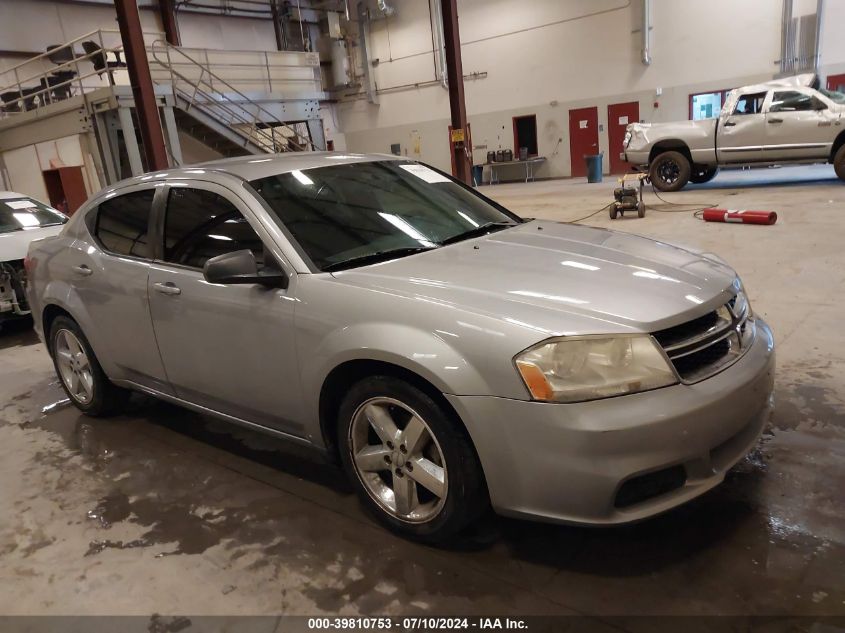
(440, 42)
(646, 32)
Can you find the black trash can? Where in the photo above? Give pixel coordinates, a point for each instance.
(593, 167)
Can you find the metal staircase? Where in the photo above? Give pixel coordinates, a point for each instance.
(215, 112)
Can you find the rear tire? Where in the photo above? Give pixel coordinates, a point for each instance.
(641, 209)
(669, 171)
(613, 211)
(80, 372)
(700, 175)
(411, 463)
(839, 163)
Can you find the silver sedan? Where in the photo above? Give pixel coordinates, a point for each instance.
(451, 355)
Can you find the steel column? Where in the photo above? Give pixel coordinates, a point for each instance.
(455, 74)
(146, 104)
(277, 25)
(172, 135)
(130, 141)
(167, 10)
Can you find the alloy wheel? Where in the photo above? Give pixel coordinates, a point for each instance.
(398, 459)
(669, 171)
(74, 366)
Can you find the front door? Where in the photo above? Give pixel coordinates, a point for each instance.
(583, 137)
(741, 132)
(798, 125)
(226, 347)
(619, 115)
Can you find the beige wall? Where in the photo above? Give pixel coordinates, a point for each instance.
(547, 56)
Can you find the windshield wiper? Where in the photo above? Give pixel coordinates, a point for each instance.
(478, 231)
(374, 258)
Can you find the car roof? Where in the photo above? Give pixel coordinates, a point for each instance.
(257, 166)
(9, 195)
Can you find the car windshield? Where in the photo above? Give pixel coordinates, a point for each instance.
(838, 97)
(21, 214)
(356, 214)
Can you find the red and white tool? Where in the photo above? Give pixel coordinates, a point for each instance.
(739, 216)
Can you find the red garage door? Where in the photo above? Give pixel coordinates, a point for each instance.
(619, 115)
(583, 137)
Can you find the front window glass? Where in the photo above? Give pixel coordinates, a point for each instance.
(200, 225)
(794, 101)
(348, 213)
(833, 95)
(21, 214)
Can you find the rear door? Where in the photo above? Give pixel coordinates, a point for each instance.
(110, 277)
(226, 347)
(741, 132)
(798, 125)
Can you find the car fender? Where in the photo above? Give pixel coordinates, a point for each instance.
(426, 354)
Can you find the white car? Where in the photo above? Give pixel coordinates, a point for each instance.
(22, 220)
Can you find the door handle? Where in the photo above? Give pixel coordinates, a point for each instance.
(82, 269)
(167, 288)
(729, 124)
(774, 120)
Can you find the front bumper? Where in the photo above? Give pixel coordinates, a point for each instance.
(568, 462)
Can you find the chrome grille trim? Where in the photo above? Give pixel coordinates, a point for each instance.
(710, 343)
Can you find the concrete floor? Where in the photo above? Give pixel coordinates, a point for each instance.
(161, 510)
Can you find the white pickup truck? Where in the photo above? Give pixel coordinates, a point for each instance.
(782, 121)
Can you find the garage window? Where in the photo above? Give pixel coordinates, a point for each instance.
(706, 105)
(525, 134)
(201, 224)
(123, 223)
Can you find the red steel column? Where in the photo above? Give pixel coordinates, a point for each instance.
(146, 106)
(167, 9)
(455, 73)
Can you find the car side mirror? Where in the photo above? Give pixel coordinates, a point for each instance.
(239, 267)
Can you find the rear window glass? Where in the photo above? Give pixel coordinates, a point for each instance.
(21, 214)
(123, 223)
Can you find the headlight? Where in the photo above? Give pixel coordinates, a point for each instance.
(588, 368)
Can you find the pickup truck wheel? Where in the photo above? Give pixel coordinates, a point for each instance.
(670, 171)
(412, 465)
(839, 163)
(700, 175)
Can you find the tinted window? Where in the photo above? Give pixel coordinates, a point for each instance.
(750, 104)
(200, 225)
(345, 212)
(793, 101)
(21, 214)
(122, 223)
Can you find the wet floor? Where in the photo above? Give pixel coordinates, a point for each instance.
(162, 510)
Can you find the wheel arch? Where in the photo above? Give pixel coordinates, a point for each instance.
(51, 312)
(340, 379)
(670, 145)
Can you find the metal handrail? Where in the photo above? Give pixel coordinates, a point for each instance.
(214, 99)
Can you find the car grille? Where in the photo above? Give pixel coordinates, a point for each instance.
(707, 344)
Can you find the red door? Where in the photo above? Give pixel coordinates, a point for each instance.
(836, 82)
(619, 115)
(583, 137)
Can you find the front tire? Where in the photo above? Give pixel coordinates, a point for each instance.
(411, 463)
(670, 171)
(80, 373)
(839, 163)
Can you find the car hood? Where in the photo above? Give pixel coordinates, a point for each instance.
(561, 278)
(14, 244)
